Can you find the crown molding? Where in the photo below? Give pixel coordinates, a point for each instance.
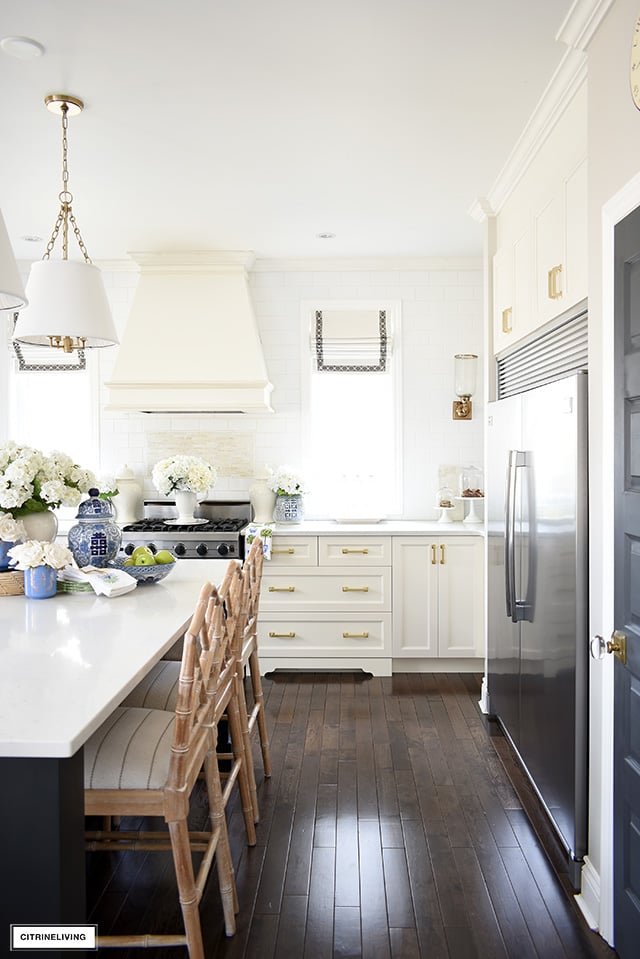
(368, 264)
(582, 22)
(576, 32)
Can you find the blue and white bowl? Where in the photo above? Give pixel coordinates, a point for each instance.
(144, 574)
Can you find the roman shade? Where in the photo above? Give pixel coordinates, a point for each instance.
(351, 341)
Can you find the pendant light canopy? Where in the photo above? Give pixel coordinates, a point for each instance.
(11, 290)
(68, 307)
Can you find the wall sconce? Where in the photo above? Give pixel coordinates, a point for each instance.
(68, 307)
(465, 385)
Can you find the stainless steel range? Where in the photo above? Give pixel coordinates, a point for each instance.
(214, 534)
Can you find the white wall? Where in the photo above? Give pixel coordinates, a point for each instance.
(441, 315)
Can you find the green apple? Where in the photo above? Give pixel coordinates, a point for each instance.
(145, 559)
(129, 561)
(142, 552)
(163, 556)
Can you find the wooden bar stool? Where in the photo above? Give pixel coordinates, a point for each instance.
(159, 689)
(145, 762)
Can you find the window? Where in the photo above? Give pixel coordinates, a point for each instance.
(54, 410)
(353, 435)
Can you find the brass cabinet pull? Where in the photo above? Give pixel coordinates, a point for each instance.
(345, 549)
(282, 589)
(442, 559)
(433, 554)
(355, 589)
(554, 288)
(289, 551)
(282, 635)
(355, 635)
(507, 320)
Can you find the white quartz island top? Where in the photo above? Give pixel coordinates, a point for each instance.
(68, 661)
(387, 527)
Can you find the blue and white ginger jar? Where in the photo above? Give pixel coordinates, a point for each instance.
(96, 538)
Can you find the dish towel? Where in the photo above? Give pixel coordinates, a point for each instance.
(106, 582)
(264, 532)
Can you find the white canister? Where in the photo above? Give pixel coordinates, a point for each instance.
(263, 500)
(128, 502)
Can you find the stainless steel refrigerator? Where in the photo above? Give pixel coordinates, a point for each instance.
(536, 500)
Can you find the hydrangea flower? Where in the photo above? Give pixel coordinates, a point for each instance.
(31, 482)
(183, 473)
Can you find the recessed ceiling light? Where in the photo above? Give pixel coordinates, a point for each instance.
(325, 236)
(32, 238)
(22, 48)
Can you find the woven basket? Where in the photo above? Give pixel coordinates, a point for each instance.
(11, 583)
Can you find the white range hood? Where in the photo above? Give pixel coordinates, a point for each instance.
(191, 343)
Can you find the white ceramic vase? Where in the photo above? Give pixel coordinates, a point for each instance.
(186, 501)
(42, 526)
(263, 500)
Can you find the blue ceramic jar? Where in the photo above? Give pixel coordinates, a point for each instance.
(95, 539)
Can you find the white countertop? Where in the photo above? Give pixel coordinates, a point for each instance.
(66, 662)
(387, 527)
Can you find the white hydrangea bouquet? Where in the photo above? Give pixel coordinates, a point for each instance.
(183, 473)
(31, 481)
(285, 481)
(36, 553)
(11, 530)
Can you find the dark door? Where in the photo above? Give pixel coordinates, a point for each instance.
(627, 588)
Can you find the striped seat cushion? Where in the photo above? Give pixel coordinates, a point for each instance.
(158, 689)
(131, 750)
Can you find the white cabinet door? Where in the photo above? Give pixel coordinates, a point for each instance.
(460, 597)
(415, 601)
(437, 597)
(503, 299)
(550, 265)
(575, 200)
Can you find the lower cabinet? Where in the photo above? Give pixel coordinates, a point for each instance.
(325, 603)
(438, 597)
(337, 602)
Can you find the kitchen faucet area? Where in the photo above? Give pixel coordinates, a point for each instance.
(319, 479)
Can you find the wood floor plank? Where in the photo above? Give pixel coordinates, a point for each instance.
(397, 824)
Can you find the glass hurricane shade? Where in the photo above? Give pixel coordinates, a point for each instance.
(465, 373)
(66, 298)
(12, 295)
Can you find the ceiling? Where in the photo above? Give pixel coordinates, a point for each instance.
(258, 124)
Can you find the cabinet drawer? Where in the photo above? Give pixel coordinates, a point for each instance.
(329, 635)
(354, 551)
(294, 551)
(326, 589)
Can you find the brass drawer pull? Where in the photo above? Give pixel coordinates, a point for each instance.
(442, 559)
(355, 589)
(355, 635)
(282, 589)
(433, 554)
(282, 635)
(507, 320)
(554, 288)
(290, 551)
(345, 549)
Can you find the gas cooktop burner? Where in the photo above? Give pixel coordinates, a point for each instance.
(199, 526)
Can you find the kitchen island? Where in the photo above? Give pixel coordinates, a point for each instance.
(65, 664)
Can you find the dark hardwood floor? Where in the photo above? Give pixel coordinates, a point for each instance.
(390, 829)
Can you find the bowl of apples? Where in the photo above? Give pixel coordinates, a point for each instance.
(145, 565)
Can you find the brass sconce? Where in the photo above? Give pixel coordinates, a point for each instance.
(465, 385)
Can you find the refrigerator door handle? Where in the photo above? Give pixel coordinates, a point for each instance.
(516, 461)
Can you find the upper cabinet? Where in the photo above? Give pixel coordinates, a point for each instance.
(540, 263)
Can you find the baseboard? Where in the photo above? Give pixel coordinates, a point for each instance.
(588, 899)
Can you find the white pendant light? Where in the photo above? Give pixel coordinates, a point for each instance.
(68, 307)
(11, 290)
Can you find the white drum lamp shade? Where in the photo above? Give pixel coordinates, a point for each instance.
(12, 296)
(67, 298)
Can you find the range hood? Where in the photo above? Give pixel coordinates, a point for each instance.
(191, 343)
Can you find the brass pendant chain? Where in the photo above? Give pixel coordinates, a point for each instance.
(65, 215)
